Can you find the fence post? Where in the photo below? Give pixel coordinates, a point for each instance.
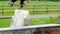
(2, 10)
(47, 8)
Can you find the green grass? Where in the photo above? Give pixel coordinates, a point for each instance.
(37, 9)
(38, 21)
(33, 21)
(9, 11)
(32, 2)
(5, 23)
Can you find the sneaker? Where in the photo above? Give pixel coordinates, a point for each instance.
(22, 4)
(11, 4)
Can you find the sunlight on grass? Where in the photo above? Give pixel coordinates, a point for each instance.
(5, 23)
(9, 11)
(38, 21)
(33, 21)
(37, 9)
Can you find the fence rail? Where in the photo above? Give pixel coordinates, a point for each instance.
(37, 29)
(33, 8)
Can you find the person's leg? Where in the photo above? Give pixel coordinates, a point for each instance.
(14, 32)
(19, 32)
(12, 2)
(22, 3)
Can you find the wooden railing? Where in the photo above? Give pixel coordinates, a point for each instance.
(33, 8)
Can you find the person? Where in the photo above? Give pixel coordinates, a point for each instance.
(20, 19)
(21, 2)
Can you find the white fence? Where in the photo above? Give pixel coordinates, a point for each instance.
(33, 16)
(29, 29)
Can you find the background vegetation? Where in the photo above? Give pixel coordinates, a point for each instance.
(54, 7)
(33, 21)
(9, 11)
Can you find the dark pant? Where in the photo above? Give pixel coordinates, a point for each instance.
(13, 0)
(17, 32)
(22, 1)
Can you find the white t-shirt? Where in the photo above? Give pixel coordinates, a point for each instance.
(20, 18)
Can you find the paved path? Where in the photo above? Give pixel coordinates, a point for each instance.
(44, 15)
(35, 16)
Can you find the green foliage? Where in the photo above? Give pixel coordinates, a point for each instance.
(37, 9)
(33, 21)
(50, 20)
(54, 0)
(5, 23)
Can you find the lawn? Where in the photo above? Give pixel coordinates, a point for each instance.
(50, 20)
(33, 21)
(8, 11)
(5, 23)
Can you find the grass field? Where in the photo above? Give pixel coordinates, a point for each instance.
(37, 8)
(9, 11)
(34, 21)
(50, 20)
(5, 23)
